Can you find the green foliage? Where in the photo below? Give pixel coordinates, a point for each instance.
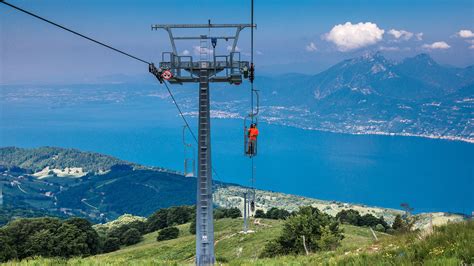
(131, 237)
(259, 214)
(7, 250)
(168, 233)
(273, 213)
(169, 217)
(450, 244)
(403, 224)
(320, 230)
(37, 159)
(277, 214)
(111, 244)
(380, 228)
(192, 227)
(221, 213)
(49, 237)
(353, 217)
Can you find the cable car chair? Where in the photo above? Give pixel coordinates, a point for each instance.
(250, 151)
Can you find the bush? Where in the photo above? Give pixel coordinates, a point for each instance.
(353, 217)
(192, 227)
(111, 244)
(259, 214)
(221, 213)
(321, 232)
(131, 237)
(48, 237)
(170, 217)
(7, 251)
(380, 228)
(277, 214)
(349, 217)
(168, 233)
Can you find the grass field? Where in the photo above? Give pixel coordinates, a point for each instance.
(447, 245)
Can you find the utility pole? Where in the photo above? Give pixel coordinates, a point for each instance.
(179, 69)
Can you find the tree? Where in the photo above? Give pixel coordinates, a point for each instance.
(192, 227)
(349, 217)
(398, 224)
(111, 244)
(259, 214)
(131, 237)
(233, 213)
(157, 220)
(168, 233)
(380, 228)
(179, 215)
(277, 214)
(7, 251)
(92, 237)
(369, 220)
(320, 230)
(70, 241)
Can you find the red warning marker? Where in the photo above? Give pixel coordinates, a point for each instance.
(167, 75)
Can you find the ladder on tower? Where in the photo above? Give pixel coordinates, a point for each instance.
(205, 227)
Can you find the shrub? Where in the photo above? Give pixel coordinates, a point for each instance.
(277, 214)
(168, 233)
(259, 214)
(48, 237)
(131, 237)
(320, 230)
(380, 228)
(111, 244)
(349, 217)
(192, 227)
(221, 213)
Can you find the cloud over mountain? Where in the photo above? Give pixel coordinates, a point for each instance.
(350, 36)
(437, 45)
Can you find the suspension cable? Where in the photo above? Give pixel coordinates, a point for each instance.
(187, 124)
(116, 50)
(74, 32)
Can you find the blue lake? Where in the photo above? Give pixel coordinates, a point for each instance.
(431, 175)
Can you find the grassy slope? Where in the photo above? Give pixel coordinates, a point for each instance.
(447, 245)
(231, 247)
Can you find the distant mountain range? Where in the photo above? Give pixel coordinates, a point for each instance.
(364, 95)
(371, 95)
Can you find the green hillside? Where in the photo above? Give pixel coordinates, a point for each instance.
(34, 160)
(447, 245)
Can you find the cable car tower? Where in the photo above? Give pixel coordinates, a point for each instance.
(179, 69)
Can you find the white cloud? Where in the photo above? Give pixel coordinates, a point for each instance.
(229, 48)
(465, 34)
(185, 52)
(259, 52)
(401, 34)
(311, 47)
(436, 45)
(197, 50)
(350, 36)
(471, 47)
(419, 36)
(389, 48)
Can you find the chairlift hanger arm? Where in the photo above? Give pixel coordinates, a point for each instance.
(200, 26)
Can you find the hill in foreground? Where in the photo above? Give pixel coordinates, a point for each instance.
(446, 245)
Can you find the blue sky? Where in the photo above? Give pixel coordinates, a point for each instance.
(292, 36)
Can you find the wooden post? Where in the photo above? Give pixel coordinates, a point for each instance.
(304, 245)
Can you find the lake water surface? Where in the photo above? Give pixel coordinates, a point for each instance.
(431, 175)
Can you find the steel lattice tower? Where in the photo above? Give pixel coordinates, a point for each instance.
(184, 70)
